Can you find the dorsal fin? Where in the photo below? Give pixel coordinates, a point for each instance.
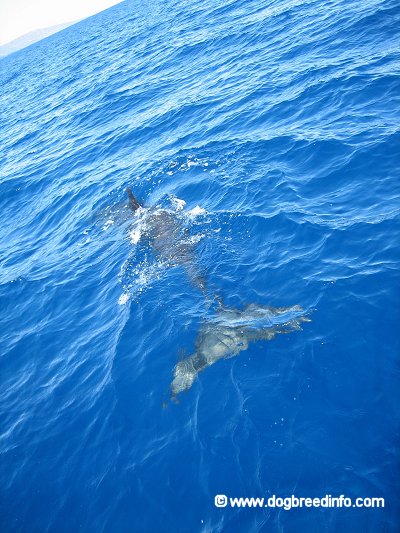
(133, 203)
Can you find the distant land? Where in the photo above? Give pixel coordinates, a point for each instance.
(30, 38)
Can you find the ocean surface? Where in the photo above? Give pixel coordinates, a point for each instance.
(270, 134)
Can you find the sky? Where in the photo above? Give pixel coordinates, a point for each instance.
(18, 17)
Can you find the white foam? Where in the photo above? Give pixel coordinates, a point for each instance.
(196, 211)
(178, 203)
(196, 238)
(123, 299)
(135, 235)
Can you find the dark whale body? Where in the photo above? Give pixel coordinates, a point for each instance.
(169, 238)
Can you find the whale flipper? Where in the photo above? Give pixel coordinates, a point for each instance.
(133, 203)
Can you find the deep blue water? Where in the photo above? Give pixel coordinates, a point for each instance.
(278, 123)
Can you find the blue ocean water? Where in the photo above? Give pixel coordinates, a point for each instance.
(272, 129)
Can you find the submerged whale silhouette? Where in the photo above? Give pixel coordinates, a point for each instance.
(169, 238)
(230, 333)
(231, 330)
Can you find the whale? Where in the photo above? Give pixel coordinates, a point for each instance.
(230, 332)
(169, 237)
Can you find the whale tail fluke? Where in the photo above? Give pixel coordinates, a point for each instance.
(229, 332)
